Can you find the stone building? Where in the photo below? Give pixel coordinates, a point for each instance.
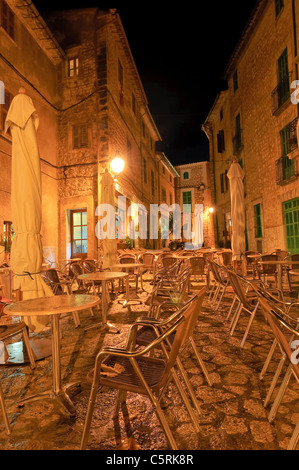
(192, 187)
(78, 69)
(254, 121)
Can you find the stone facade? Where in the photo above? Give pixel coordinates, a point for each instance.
(254, 122)
(195, 178)
(83, 80)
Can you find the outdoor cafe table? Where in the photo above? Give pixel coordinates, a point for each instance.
(279, 263)
(53, 307)
(128, 266)
(105, 277)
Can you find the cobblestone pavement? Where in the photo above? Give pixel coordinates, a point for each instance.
(232, 413)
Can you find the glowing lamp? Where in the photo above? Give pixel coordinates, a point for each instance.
(117, 165)
(211, 210)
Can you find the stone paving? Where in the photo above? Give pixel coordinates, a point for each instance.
(232, 413)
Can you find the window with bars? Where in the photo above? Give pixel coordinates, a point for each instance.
(7, 19)
(288, 167)
(80, 136)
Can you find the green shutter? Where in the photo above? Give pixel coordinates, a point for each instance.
(291, 220)
(283, 78)
(258, 219)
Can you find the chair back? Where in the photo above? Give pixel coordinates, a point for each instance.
(168, 261)
(148, 260)
(280, 327)
(216, 271)
(190, 311)
(250, 261)
(227, 258)
(197, 264)
(237, 285)
(89, 266)
(281, 254)
(75, 270)
(268, 268)
(295, 258)
(52, 279)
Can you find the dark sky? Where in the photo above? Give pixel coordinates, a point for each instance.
(181, 50)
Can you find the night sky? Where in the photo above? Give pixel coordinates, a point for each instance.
(181, 50)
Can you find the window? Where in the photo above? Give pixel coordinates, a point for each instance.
(120, 73)
(8, 235)
(163, 169)
(79, 233)
(7, 19)
(258, 221)
(144, 170)
(186, 175)
(291, 219)
(221, 142)
(283, 78)
(164, 199)
(279, 4)
(288, 167)
(236, 80)
(133, 104)
(73, 70)
(221, 114)
(80, 136)
(237, 141)
(4, 109)
(153, 183)
(170, 199)
(187, 200)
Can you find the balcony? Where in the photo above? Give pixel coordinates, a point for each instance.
(281, 95)
(286, 171)
(292, 136)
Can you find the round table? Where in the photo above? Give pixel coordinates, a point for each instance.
(128, 266)
(279, 263)
(105, 277)
(53, 307)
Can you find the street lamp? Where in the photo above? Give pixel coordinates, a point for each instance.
(211, 210)
(117, 165)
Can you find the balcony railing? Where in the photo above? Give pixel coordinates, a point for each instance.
(281, 94)
(292, 133)
(238, 143)
(286, 171)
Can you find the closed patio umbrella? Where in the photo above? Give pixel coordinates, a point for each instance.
(236, 177)
(109, 245)
(26, 204)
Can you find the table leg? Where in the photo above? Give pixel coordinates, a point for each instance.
(57, 393)
(279, 274)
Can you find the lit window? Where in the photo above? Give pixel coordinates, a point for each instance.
(80, 136)
(74, 67)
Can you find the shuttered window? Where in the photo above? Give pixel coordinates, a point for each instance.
(291, 220)
(80, 136)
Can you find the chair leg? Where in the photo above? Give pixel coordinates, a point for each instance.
(185, 400)
(165, 426)
(28, 347)
(7, 426)
(201, 362)
(280, 394)
(274, 381)
(249, 325)
(268, 360)
(91, 404)
(231, 308)
(294, 440)
(121, 398)
(236, 319)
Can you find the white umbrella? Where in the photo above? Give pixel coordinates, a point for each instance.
(236, 177)
(109, 244)
(26, 204)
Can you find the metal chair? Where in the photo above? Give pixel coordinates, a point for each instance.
(142, 374)
(133, 273)
(149, 261)
(293, 280)
(6, 331)
(266, 270)
(282, 328)
(248, 301)
(197, 264)
(60, 286)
